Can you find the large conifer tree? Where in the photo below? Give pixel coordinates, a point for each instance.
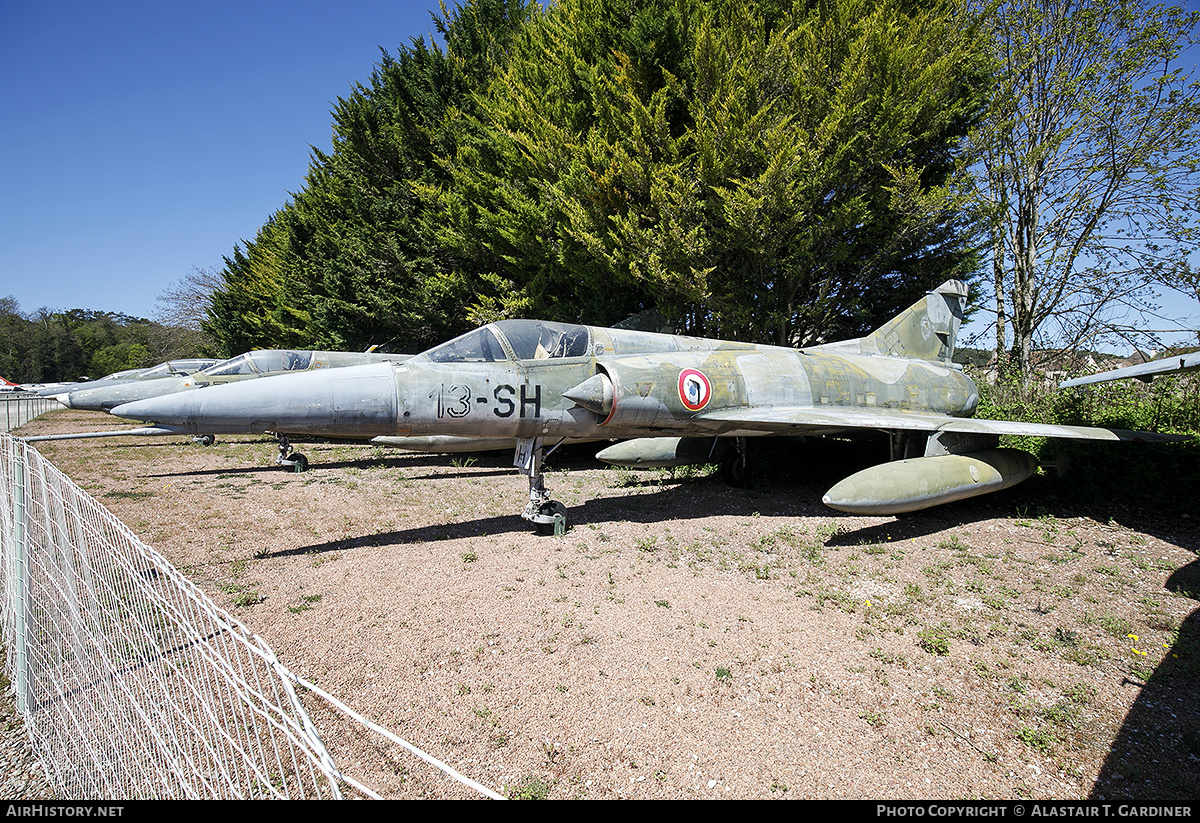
(766, 172)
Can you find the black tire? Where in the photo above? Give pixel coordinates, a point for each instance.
(550, 508)
(299, 463)
(735, 471)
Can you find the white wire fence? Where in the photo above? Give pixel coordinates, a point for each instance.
(132, 683)
(18, 408)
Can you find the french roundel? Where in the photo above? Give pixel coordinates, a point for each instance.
(694, 389)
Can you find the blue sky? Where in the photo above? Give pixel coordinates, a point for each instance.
(144, 139)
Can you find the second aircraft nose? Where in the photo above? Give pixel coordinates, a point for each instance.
(359, 401)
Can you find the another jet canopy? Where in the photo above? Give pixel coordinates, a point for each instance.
(527, 340)
(266, 360)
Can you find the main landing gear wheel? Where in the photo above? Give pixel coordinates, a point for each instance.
(737, 467)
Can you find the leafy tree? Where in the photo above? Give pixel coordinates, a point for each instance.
(1089, 159)
(782, 172)
(13, 341)
(50, 346)
(119, 357)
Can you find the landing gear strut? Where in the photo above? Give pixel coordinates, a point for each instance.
(548, 516)
(288, 458)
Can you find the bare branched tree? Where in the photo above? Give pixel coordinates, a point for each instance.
(1089, 160)
(181, 308)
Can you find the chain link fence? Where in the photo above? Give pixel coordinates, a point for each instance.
(132, 683)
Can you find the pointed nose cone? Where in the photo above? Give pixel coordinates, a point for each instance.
(594, 394)
(357, 401)
(106, 398)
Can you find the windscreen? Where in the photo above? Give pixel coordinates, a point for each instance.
(274, 360)
(234, 365)
(161, 370)
(479, 346)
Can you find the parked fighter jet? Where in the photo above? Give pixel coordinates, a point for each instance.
(1144, 372)
(103, 397)
(544, 382)
(171, 368)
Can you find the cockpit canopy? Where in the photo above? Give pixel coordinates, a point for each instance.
(525, 339)
(127, 374)
(263, 361)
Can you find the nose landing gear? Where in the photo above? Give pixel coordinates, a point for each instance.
(548, 516)
(288, 458)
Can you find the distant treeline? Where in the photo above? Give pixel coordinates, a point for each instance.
(53, 346)
(762, 170)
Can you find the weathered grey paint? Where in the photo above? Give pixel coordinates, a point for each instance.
(109, 395)
(1144, 372)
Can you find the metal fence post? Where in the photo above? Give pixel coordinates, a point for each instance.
(20, 583)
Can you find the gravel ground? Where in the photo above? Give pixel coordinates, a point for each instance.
(685, 639)
(21, 774)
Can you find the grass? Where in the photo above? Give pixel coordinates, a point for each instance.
(935, 640)
(305, 604)
(531, 787)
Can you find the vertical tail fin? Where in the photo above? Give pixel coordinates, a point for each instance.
(926, 330)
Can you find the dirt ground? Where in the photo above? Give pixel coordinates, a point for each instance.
(686, 639)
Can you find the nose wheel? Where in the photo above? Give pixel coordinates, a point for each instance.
(551, 518)
(288, 458)
(547, 516)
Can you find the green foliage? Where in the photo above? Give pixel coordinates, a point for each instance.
(530, 787)
(1162, 476)
(119, 357)
(743, 168)
(51, 346)
(935, 640)
(1041, 740)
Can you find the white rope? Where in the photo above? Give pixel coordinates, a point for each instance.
(466, 781)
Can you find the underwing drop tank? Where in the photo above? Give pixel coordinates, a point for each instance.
(661, 452)
(918, 483)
